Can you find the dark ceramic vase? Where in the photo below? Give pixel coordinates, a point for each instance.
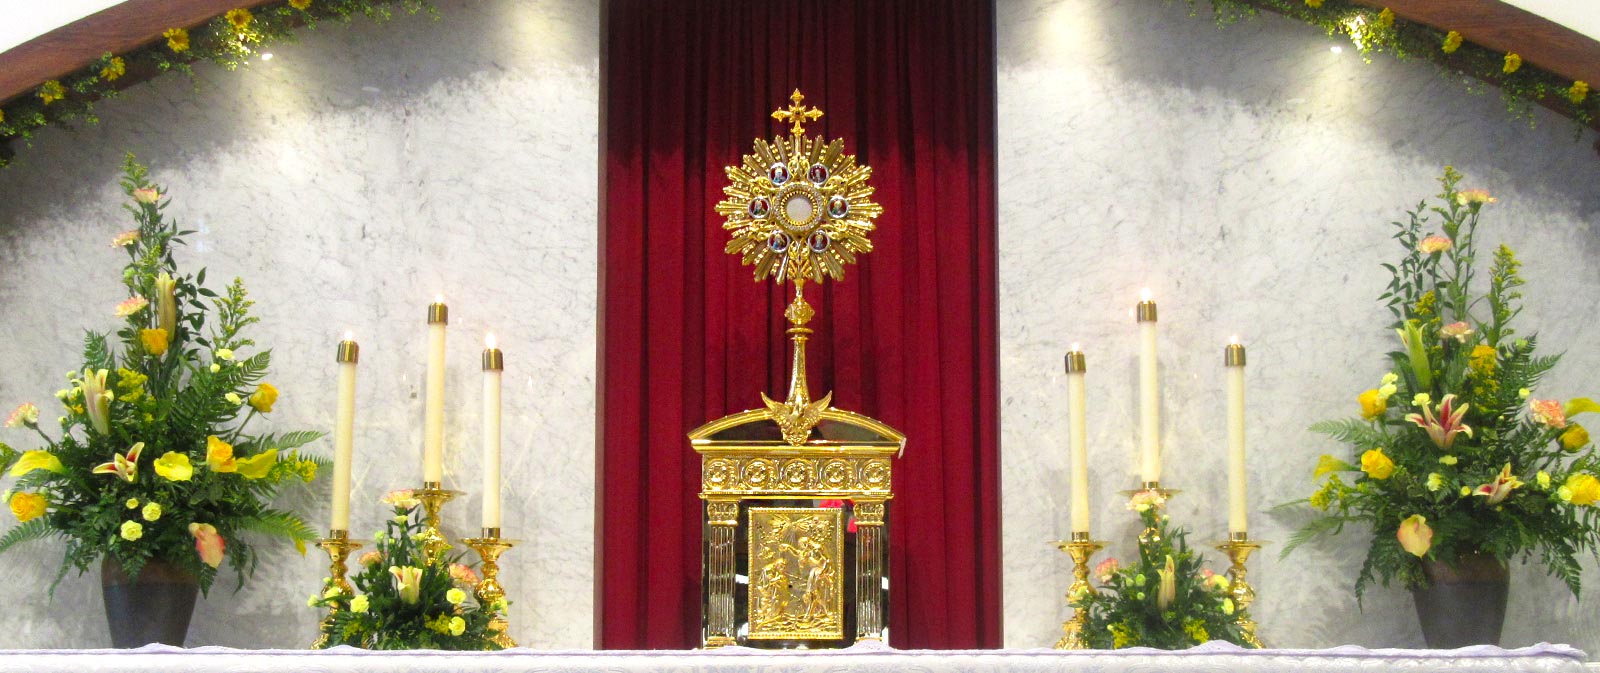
(154, 607)
(1464, 603)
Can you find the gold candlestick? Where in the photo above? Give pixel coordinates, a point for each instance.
(338, 545)
(1081, 549)
(1238, 548)
(489, 592)
(433, 497)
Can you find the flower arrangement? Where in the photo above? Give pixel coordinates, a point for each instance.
(1454, 453)
(1167, 599)
(153, 460)
(407, 598)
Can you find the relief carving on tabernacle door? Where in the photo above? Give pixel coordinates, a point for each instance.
(795, 559)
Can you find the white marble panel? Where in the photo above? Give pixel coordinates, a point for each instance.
(347, 180)
(1247, 175)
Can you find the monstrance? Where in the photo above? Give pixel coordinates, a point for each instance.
(796, 493)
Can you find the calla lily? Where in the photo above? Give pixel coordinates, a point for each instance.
(1580, 405)
(97, 400)
(174, 466)
(1169, 584)
(124, 465)
(1443, 430)
(1497, 490)
(1415, 535)
(166, 304)
(257, 466)
(37, 460)
(407, 581)
(1416, 352)
(208, 543)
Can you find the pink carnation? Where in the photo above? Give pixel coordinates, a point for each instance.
(1433, 244)
(463, 575)
(1456, 330)
(131, 305)
(1548, 412)
(1106, 569)
(371, 558)
(125, 238)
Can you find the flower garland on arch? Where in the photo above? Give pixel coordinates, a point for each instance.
(1379, 30)
(228, 40)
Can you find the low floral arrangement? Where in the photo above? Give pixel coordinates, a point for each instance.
(406, 598)
(153, 461)
(1167, 599)
(1455, 454)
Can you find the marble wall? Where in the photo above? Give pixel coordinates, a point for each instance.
(347, 180)
(1247, 175)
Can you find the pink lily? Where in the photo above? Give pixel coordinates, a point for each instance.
(124, 465)
(1443, 429)
(1497, 490)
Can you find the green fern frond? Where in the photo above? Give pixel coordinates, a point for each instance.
(278, 523)
(27, 532)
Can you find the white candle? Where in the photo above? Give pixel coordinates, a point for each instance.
(1233, 359)
(1079, 443)
(343, 431)
(1149, 399)
(433, 405)
(493, 363)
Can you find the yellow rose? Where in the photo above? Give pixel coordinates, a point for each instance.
(1377, 465)
(1585, 489)
(257, 466)
(219, 455)
(151, 512)
(28, 506)
(1575, 437)
(1452, 42)
(155, 341)
(264, 397)
(131, 531)
(174, 466)
(132, 503)
(1372, 404)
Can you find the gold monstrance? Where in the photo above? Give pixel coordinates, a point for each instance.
(798, 209)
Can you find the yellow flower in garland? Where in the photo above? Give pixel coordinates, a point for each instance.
(1452, 42)
(2, 116)
(114, 69)
(264, 397)
(1377, 465)
(154, 340)
(28, 506)
(1576, 94)
(177, 40)
(1386, 18)
(1314, 4)
(1482, 359)
(52, 91)
(1513, 62)
(300, 4)
(174, 466)
(1575, 437)
(239, 19)
(1372, 404)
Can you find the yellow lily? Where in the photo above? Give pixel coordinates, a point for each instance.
(1496, 491)
(97, 400)
(408, 582)
(166, 304)
(124, 465)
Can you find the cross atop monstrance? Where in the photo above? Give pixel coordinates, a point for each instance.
(797, 209)
(797, 112)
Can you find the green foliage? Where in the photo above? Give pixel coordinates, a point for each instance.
(218, 41)
(381, 616)
(1509, 475)
(1166, 600)
(163, 383)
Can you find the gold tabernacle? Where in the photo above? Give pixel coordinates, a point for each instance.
(804, 484)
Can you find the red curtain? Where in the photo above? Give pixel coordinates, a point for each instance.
(907, 337)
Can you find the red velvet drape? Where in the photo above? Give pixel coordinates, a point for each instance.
(908, 337)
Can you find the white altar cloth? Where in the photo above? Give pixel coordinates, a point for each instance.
(1213, 657)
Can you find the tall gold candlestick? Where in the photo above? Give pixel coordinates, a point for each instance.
(433, 497)
(1081, 549)
(489, 592)
(1238, 548)
(338, 545)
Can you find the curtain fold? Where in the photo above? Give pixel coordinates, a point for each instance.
(908, 337)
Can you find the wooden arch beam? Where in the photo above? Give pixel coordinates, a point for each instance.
(1507, 28)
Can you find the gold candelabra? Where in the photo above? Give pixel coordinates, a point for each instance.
(489, 592)
(1081, 549)
(338, 545)
(1238, 548)
(433, 496)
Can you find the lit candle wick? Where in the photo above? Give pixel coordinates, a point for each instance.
(1076, 347)
(1234, 340)
(438, 298)
(1144, 295)
(488, 341)
(349, 335)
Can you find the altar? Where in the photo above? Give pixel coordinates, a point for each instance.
(869, 657)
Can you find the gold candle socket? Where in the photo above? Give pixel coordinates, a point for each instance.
(1146, 311)
(489, 592)
(433, 497)
(338, 545)
(493, 360)
(1233, 355)
(1081, 549)
(1076, 363)
(349, 352)
(438, 313)
(1238, 548)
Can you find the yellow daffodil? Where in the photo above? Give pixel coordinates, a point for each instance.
(1581, 489)
(1452, 42)
(1577, 92)
(114, 69)
(1372, 404)
(177, 40)
(1377, 465)
(174, 466)
(1575, 437)
(1513, 62)
(37, 460)
(124, 465)
(1415, 535)
(219, 455)
(28, 506)
(52, 91)
(264, 397)
(239, 19)
(131, 531)
(257, 466)
(154, 340)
